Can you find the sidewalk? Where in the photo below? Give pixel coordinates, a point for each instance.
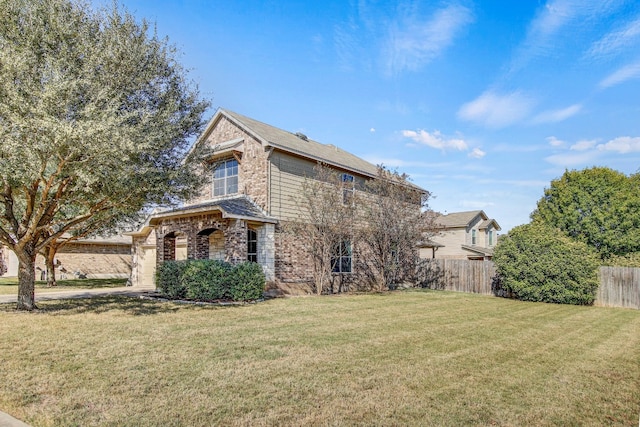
(7, 420)
(82, 293)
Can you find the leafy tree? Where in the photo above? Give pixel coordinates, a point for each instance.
(393, 223)
(536, 262)
(95, 118)
(598, 206)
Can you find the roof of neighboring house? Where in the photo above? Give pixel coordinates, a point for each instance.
(116, 239)
(293, 143)
(463, 219)
(238, 207)
(479, 250)
(428, 243)
(487, 222)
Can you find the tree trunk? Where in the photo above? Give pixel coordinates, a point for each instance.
(26, 282)
(51, 268)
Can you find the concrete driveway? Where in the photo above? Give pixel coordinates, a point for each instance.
(82, 293)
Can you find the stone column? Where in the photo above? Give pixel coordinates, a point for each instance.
(267, 250)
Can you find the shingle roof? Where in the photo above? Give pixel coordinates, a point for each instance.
(295, 144)
(479, 250)
(487, 222)
(237, 207)
(458, 219)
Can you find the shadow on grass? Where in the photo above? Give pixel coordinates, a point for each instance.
(70, 283)
(128, 305)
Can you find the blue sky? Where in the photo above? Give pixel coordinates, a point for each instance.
(482, 103)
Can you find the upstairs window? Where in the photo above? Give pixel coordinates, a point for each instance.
(348, 188)
(490, 237)
(342, 257)
(473, 237)
(252, 245)
(225, 178)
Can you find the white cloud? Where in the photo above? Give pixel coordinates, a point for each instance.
(477, 153)
(587, 151)
(412, 43)
(372, 130)
(556, 19)
(554, 116)
(555, 142)
(572, 159)
(617, 40)
(497, 110)
(622, 145)
(583, 145)
(435, 140)
(625, 73)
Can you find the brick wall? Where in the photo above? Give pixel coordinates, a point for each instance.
(189, 227)
(90, 260)
(252, 168)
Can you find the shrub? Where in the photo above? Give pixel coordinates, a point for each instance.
(538, 263)
(168, 278)
(209, 280)
(247, 282)
(206, 280)
(628, 260)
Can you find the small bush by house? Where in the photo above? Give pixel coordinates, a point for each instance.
(210, 280)
(169, 279)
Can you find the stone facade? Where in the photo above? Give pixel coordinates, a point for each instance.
(252, 167)
(196, 230)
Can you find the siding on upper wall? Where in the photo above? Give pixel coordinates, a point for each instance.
(452, 240)
(288, 174)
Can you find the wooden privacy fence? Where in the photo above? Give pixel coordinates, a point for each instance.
(619, 286)
(457, 275)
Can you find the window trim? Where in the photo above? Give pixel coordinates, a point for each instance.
(223, 165)
(342, 252)
(474, 239)
(252, 256)
(348, 188)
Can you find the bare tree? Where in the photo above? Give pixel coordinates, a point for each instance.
(393, 222)
(325, 221)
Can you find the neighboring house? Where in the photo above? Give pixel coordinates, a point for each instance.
(257, 172)
(462, 235)
(96, 257)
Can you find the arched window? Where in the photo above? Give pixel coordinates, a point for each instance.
(210, 244)
(252, 245)
(175, 246)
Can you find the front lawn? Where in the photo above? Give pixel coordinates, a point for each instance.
(399, 358)
(9, 285)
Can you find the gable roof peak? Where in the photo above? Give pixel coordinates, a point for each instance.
(295, 143)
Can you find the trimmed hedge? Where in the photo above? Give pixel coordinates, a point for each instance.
(210, 280)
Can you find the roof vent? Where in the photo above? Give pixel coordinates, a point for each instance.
(302, 136)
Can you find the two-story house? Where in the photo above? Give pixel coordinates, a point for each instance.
(256, 172)
(462, 235)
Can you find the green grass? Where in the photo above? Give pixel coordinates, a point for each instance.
(400, 358)
(9, 285)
